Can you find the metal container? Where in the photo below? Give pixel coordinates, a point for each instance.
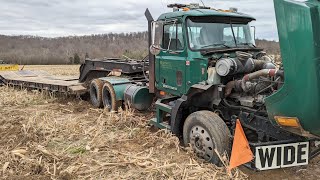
(138, 97)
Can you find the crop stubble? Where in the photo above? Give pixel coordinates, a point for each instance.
(60, 137)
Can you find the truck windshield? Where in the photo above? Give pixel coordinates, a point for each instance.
(207, 34)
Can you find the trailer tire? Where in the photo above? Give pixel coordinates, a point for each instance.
(109, 98)
(96, 93)
(205, 131)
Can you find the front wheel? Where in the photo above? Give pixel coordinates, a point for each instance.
(206, 131)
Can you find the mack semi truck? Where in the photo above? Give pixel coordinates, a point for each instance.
(213, 87)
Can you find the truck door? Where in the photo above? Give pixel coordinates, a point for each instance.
(171, 62)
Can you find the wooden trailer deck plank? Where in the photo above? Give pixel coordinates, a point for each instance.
(25, 73)
(43, 80)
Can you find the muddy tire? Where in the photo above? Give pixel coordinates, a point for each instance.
(96, 93)
(109, 99)
(205, 131)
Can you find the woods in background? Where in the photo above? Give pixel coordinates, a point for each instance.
(271, 47)
(73, 50)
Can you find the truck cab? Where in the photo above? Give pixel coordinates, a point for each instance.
(188, 39)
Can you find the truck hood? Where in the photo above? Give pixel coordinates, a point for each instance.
(299, 35)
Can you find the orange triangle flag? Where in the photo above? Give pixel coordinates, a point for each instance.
(241, 152)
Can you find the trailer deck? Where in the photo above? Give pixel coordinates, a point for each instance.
(91, 69)
(41, 80)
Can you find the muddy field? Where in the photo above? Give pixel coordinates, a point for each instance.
(48, 136)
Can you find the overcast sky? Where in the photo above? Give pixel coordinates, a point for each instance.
(52, 18)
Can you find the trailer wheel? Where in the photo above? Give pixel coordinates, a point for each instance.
(109, 97)
(205, 131)
(96, 93)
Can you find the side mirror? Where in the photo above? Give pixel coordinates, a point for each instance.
(156, 37)
(253, 32)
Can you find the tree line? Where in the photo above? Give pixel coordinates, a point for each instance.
(74, 49)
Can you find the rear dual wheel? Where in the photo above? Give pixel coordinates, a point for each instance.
(109, 99)
(96, 93)
(206, 132)
(102, 95)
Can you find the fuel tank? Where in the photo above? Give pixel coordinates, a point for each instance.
(138, 97)
(299, 36)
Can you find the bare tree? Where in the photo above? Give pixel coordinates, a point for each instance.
(62, 50)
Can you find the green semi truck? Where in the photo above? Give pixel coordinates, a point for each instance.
(207, 63)
(214, 89)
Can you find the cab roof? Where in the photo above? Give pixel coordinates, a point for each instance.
(204, 12)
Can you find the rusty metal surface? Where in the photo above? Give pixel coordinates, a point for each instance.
(42, 80)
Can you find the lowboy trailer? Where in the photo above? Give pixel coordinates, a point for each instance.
(214, 88)
(91, 69)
